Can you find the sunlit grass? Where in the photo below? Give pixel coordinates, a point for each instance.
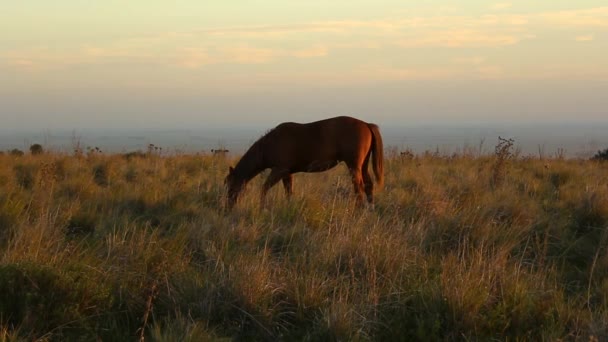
(109, 247)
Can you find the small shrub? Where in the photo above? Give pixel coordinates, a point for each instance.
(11, 210)
(59, 169)
(100, 174)
(50, 172)
(36, 149)
(78, 152)
(25, 175)
(93, 151)
(601, 155)
(16, 152)
(72, 189)
(154, 150)
(131, 174)
(407, 154)
(559, 178)
(134, 154)
(503, 152)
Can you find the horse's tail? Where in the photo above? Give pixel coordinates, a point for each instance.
(377, 154)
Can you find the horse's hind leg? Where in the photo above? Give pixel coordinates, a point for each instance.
(357, 183)
(288, 185)
(369, 186)
(367, 180)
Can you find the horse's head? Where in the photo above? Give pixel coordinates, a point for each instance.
(234, 185)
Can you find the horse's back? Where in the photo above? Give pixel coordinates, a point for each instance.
(336, 139)
(332, 127)
(323, 133)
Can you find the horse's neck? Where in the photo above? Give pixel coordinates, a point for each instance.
(250, 165)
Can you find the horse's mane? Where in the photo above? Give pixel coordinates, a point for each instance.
(257, 144)
(267, 133)
(252, 157)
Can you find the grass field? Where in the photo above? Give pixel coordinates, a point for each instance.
(458, 247)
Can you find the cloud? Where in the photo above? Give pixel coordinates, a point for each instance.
(461, 38)
(490, 72)
(272, 31)
(585, 38)
(46, 58)
(559, 71)
(325, 27)
(445, 29)
(362, 74)
(23, 64)
(590, 17)
(408, 74)
(442, 30)
(153, 51)
(264, 44)
(501, 6)
(318, 51)
(248, 55)
(474, 60)
(192, 58)
(383, 73)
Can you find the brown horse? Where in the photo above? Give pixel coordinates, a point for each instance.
(312, 147)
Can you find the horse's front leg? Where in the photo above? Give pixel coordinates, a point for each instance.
(275, 175)
(288, 185)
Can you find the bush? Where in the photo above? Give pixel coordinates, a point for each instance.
(100, 174)
(25, 175)
(601, 155)
(503, 152)
(135, 154)
(36, 149)
(16, 152)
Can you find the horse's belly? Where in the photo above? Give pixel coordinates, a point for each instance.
(320, 166)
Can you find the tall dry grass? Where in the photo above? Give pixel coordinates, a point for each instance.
(113, 248)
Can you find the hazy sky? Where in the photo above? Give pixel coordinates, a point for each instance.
(68, 64)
